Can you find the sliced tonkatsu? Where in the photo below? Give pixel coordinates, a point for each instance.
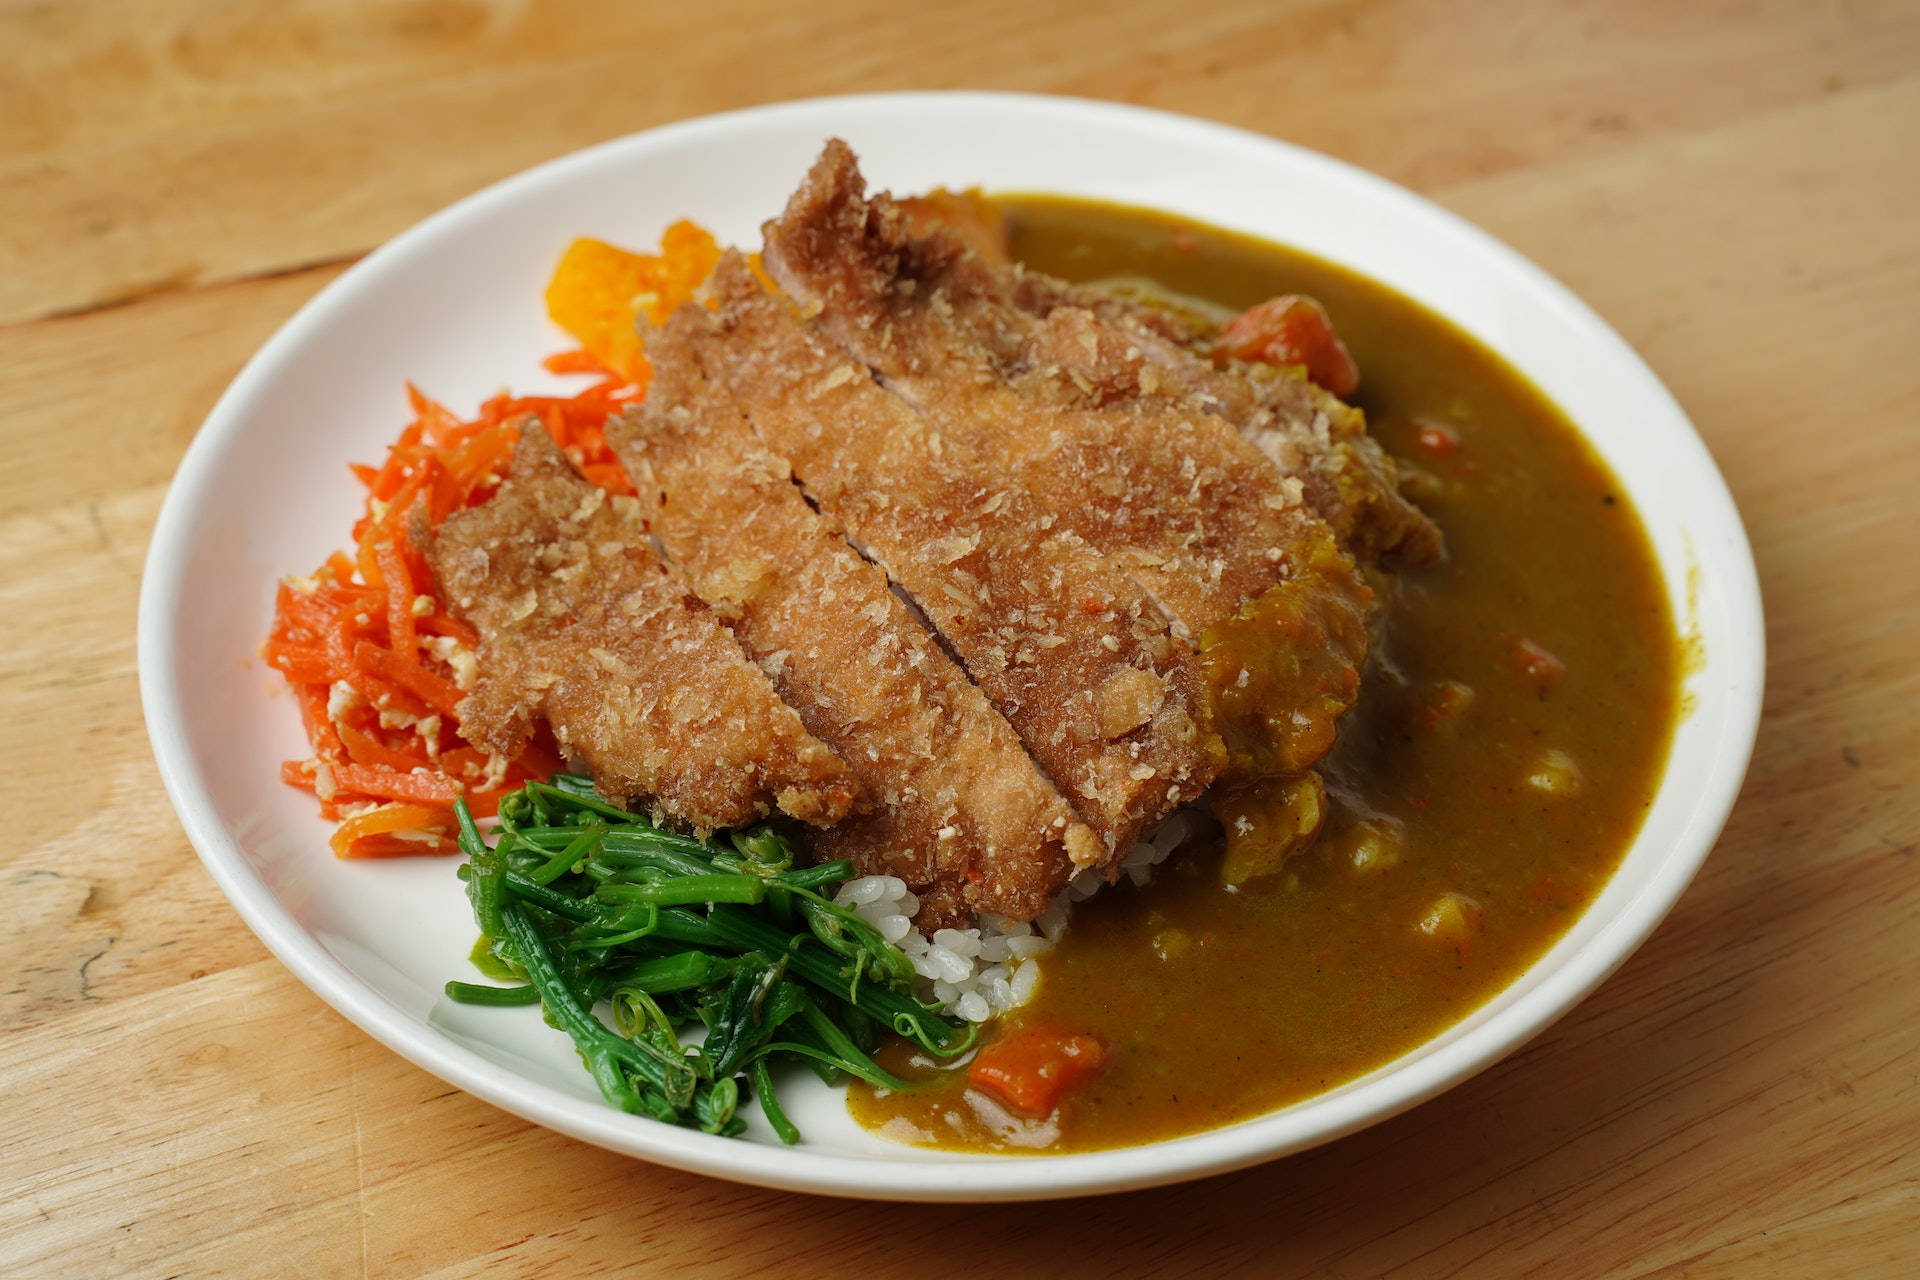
(977, 572)
(580, 625)
(960, 812)
(1189, 507)
(1062, 642)
(1193, 510)
(1347, 478)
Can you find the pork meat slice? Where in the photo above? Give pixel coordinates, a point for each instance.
(960, 813)
(1062, 642)
(581, 624)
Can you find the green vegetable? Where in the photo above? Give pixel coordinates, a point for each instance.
(587, 902)
(474, 993)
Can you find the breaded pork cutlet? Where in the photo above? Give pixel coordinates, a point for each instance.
(1062, 642)
(1348, 479)
(960, 812)
(1192, 509)
(580, 624)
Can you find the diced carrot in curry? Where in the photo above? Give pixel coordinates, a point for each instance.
(1537, 664)
(1293, 330)
(1437, 438)
(1442, 708)
(1033, 1071)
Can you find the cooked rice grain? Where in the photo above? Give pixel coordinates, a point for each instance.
(982, 972)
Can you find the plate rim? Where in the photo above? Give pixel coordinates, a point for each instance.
(943, 1176)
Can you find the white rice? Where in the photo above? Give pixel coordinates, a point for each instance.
(981, 972)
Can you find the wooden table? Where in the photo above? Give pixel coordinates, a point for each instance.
(1735, 187)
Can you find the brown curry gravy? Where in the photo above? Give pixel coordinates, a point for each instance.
(1216, 1006)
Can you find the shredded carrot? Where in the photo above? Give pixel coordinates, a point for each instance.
(321, 731)
(399, 583)
(386, 783)
(374, 833)
(1537, 664)
(371, 650)
(440, 624)
(574, 362)
(367, 748)
(410, 674)
(388, 698)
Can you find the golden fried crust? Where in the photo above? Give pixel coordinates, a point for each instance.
(1066, 646)
(960, 811)
(580, 624)
(969, 215)
(1348, 479)
(1194, 511)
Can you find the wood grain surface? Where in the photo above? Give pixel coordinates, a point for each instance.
(1733, 185)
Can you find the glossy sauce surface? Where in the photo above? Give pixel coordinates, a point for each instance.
(1510, 733)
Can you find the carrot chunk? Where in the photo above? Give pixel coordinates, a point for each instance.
(1033, 1071)
(1442, 708)
(1293, 330)
(1437, 438)
(1537, 664)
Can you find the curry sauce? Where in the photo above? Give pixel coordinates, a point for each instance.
(1511, 728)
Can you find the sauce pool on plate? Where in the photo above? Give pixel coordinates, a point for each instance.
(1512, 726)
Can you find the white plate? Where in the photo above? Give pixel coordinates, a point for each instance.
(454, 305)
